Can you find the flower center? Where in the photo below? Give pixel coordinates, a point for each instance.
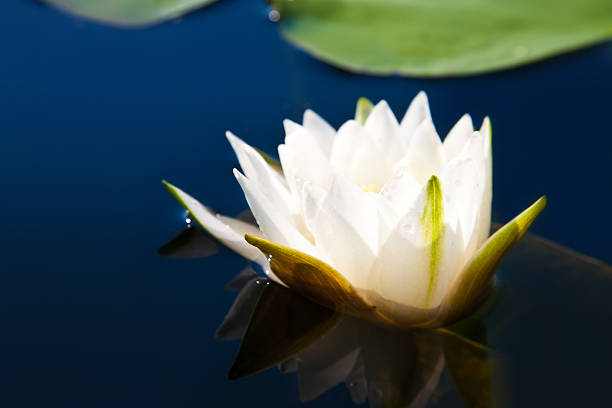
(369, 188)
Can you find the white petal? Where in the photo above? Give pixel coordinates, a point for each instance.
(457, 137)
(345, 250)
(383, 129)
(321, 130)
(227, 230)
(350, 137)
(356, 206)
(267, 179)
(462, 188)
(308, 159)
(417, 112)
(346, 230)
(401, 190)
(275, 227)
(312, 201)
(474, 151)
(425, 155)
(356, 156)
(303, 161)
(410, 269)
(387, 217)
(290, 126)
(485, 130)
(484, 219)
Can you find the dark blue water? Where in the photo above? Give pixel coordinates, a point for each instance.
(92, 118)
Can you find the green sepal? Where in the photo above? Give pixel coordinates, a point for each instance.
(469, 285)
(311, 277)
(363, 110)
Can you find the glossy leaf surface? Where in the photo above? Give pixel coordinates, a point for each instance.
(441, 37)
(129, 12)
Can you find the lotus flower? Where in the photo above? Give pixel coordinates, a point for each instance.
(380, 219)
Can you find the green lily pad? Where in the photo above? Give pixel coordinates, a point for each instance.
(430, 38)
(129, 12)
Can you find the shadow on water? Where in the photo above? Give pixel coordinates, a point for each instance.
(540, 339)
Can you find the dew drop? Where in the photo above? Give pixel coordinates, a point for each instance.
(273, 15)
(408, 228)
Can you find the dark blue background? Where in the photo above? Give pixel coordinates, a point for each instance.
(92, 118)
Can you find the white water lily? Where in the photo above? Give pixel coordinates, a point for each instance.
(380, 218)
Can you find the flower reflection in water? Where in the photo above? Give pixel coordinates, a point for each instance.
(548, 318)
(388, 367)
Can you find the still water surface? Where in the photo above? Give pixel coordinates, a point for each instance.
(92, 118)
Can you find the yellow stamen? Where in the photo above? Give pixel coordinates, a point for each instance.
(369, 188)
